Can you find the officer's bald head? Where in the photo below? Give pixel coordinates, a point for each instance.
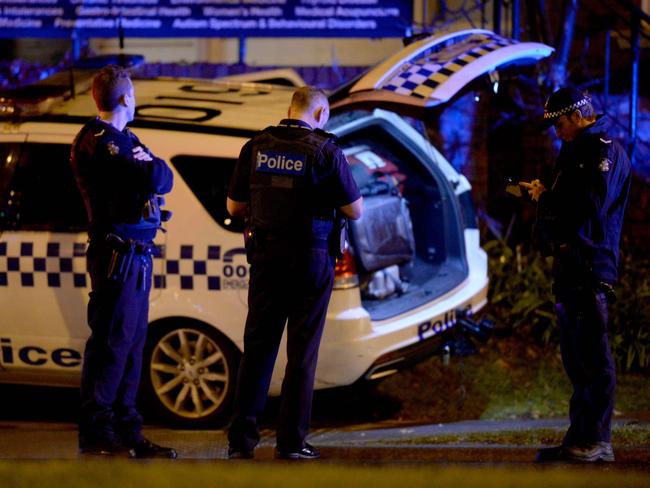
(109, 87)
(307, 97)
(311, 105)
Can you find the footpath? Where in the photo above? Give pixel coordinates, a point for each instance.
(371, 443)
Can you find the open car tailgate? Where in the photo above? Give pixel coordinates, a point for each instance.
(433, 70)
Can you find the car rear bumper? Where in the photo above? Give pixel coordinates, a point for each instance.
(354, 348)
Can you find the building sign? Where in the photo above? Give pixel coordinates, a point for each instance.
(205, 18)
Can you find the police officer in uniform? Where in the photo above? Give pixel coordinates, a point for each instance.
(289, 181)
(579, 220)
(120, 181)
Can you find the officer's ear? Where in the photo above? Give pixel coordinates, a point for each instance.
(321, 115)
(127, 98)
(576, 117)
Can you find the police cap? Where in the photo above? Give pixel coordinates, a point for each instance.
(563, 102)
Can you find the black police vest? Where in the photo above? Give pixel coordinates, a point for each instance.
(282, 180)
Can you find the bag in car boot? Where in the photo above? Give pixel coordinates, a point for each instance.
(384, 283)
(383, 236)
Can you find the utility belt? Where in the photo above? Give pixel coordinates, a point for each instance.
(576, 276)
(262, 245)
(260, 238)
(123, 253)
(569, 292)
(132, 245)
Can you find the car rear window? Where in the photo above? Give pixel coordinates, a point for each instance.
(208, 178)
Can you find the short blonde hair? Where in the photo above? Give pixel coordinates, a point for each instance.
(109, 85)
(307, 97)
(587, 111)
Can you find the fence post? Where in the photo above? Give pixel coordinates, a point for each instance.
(496, 12)
(608, 60)
(242, 50)
(516, 20)
(634, 91)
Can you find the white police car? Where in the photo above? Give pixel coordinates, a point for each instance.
(385, 311)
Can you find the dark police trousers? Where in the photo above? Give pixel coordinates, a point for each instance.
(294, 290)
(117, 316)
(582, 317)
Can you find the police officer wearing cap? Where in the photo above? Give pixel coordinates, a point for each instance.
(579, 220)
(120, 181)
(289, 182)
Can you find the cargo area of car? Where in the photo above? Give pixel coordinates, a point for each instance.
(417, 266)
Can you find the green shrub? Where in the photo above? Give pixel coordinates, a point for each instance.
(630, 315)
(521, 298)
(520, 293)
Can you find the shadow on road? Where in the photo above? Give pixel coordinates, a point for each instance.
(336, 407)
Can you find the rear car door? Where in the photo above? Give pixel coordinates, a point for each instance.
(42, 262)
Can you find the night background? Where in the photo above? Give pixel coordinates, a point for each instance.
(490, 133)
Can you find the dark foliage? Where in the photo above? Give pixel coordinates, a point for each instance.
(521, 297)
(630, 315)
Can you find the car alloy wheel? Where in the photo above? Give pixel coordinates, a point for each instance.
(192, 372)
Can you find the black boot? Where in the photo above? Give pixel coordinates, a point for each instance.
(145, 449)
(104, 445)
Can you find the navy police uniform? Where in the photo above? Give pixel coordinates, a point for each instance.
(293, 179)
(579, 223)
(119, 179)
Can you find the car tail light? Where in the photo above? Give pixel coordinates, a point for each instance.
(345, 272)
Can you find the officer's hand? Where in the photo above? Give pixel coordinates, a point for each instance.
(535, 189)
(140, 154)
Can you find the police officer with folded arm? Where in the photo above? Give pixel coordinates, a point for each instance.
(579, 220)
(121, 182)
(290, 181)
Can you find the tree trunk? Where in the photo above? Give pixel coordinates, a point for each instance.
(558, 75)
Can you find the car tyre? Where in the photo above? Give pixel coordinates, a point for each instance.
(189, 373)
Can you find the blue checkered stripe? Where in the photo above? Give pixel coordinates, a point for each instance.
(55, 265)
(193, 267)
(60, 265)
(420, 78)
(188, 268)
